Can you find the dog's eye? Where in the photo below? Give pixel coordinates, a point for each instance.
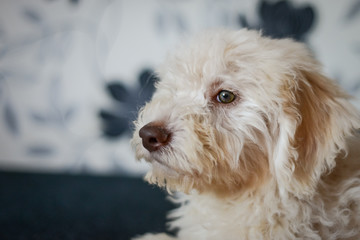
(225, 96)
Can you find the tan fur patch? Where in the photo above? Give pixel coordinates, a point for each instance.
(313, 103)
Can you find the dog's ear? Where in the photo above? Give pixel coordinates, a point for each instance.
(315, 120)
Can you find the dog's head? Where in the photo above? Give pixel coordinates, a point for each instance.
(235, 110)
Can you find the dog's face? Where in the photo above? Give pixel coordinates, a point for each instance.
(234, 110)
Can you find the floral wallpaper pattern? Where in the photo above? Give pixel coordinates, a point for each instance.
(74, 73)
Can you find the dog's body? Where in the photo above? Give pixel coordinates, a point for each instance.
(332, 213)
(259, 140)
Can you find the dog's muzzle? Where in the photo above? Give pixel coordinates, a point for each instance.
(154, 136)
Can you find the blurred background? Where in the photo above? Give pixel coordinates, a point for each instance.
(74, 73)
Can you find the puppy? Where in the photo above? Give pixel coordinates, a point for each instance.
(260, 142)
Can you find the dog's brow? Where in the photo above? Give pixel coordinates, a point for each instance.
(215, 85)
(213, 88)
(192, 94)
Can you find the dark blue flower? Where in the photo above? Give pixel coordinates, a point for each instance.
(117, 121)
(282, 20)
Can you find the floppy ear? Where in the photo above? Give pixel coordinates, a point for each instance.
(316, 119)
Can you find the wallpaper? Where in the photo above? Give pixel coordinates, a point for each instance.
(74, 73)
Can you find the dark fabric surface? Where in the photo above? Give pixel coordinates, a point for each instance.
(45, 206)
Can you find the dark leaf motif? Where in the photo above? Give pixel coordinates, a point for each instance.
(53, 117)
(147, 80)
(32, 15)
(281, 19)
(357, 48)
(243, 21)
(113, 125)
(38, 117)
(69, 113)
(10, 119)
(2, 34)
(117, 91)
(2, 77)
(75, 2)
(40, 150)
(303, 21)
(118, 122)
(160, 22)
(353, 11)
(54, 90)
(356, 87)
(180, 22)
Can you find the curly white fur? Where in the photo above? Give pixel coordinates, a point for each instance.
(279, 162)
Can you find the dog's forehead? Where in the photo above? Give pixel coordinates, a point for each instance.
(206, 58)
(241, 61)
(183, 89)
(188, 86)
(193, 71)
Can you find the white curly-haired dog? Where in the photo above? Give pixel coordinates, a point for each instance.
(261, 143)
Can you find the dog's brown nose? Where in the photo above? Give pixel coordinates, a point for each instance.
(154, 136)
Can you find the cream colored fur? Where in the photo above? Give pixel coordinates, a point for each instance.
(282, 161)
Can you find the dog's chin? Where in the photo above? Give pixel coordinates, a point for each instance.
(166, 177)
(158, 166)
(165, 169)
